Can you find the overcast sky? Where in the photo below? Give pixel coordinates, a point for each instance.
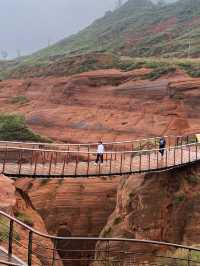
(29, 24)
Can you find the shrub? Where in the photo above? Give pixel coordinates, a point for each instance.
(21, 99)
(13, 127)
(4, 230)
(178, 199)
(178, 96)
(182, 256)
(23, 217)
(117, 220)
(44, 181)
(158, 72)
(107, 232)
(192, 179)
(131, 195)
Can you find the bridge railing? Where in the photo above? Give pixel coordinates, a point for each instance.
(35, 248)
(15, 161)
(4, 262)
(138, 144)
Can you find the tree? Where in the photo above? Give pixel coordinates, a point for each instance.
(161, 3)
(18, 53)
(4, 54)
(119, 3)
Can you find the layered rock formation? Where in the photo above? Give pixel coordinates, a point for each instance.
(7, 194)
(159, 206)
(82, 206)
(72, 207)
(15, 202)
(107, 104)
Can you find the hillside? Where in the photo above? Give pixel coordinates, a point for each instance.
(139, 28)
(134, 36)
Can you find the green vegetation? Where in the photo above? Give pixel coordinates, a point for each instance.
(44, 181)
(107, 232)
(13, 127)
(159, 72)
(4, 230)
(139, 28)
(151, 35)
(182, 256)
(23, 217)
(21, 99)
(117, 220)
(193, 179)
(178, 96)
(131, 195)
(178, 199)
(192, 69)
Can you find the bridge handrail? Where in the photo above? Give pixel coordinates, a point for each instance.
(94, 153)
(97, 238)
(9, 263)
(95, 143)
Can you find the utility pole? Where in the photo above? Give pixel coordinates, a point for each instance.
(189, 48)
(49, 42)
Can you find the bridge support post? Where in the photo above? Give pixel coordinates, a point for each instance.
(10, 243)
(54, 252)
(4, 161)
(30, 240)
(189, 258)
(189, 154)
(196, 151)
(111, 158)
(108, 253)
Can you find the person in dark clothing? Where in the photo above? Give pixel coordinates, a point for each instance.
(162, 145)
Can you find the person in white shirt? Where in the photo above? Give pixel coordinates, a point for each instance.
(100, 152)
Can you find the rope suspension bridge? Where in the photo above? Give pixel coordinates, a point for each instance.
(35, 248)
(19, 159)
(21, 245)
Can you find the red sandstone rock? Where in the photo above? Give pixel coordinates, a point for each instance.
(7, 194)
(72, 207)
(107, 104)
(159, 206)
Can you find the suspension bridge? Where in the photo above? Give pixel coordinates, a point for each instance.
(21, 245)
(18, 159)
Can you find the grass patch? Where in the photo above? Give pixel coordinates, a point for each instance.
(107, 232)
(182, 257)
(21, 99)
(13, 127)
(192, 69)
(4, 230)
(44, 181)
(117, 220)
(192, 179)
(131, 195)
(178, 199)
(159, 72)
(23, 217)
(178, 96)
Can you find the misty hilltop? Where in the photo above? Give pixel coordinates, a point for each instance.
(139, 28)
